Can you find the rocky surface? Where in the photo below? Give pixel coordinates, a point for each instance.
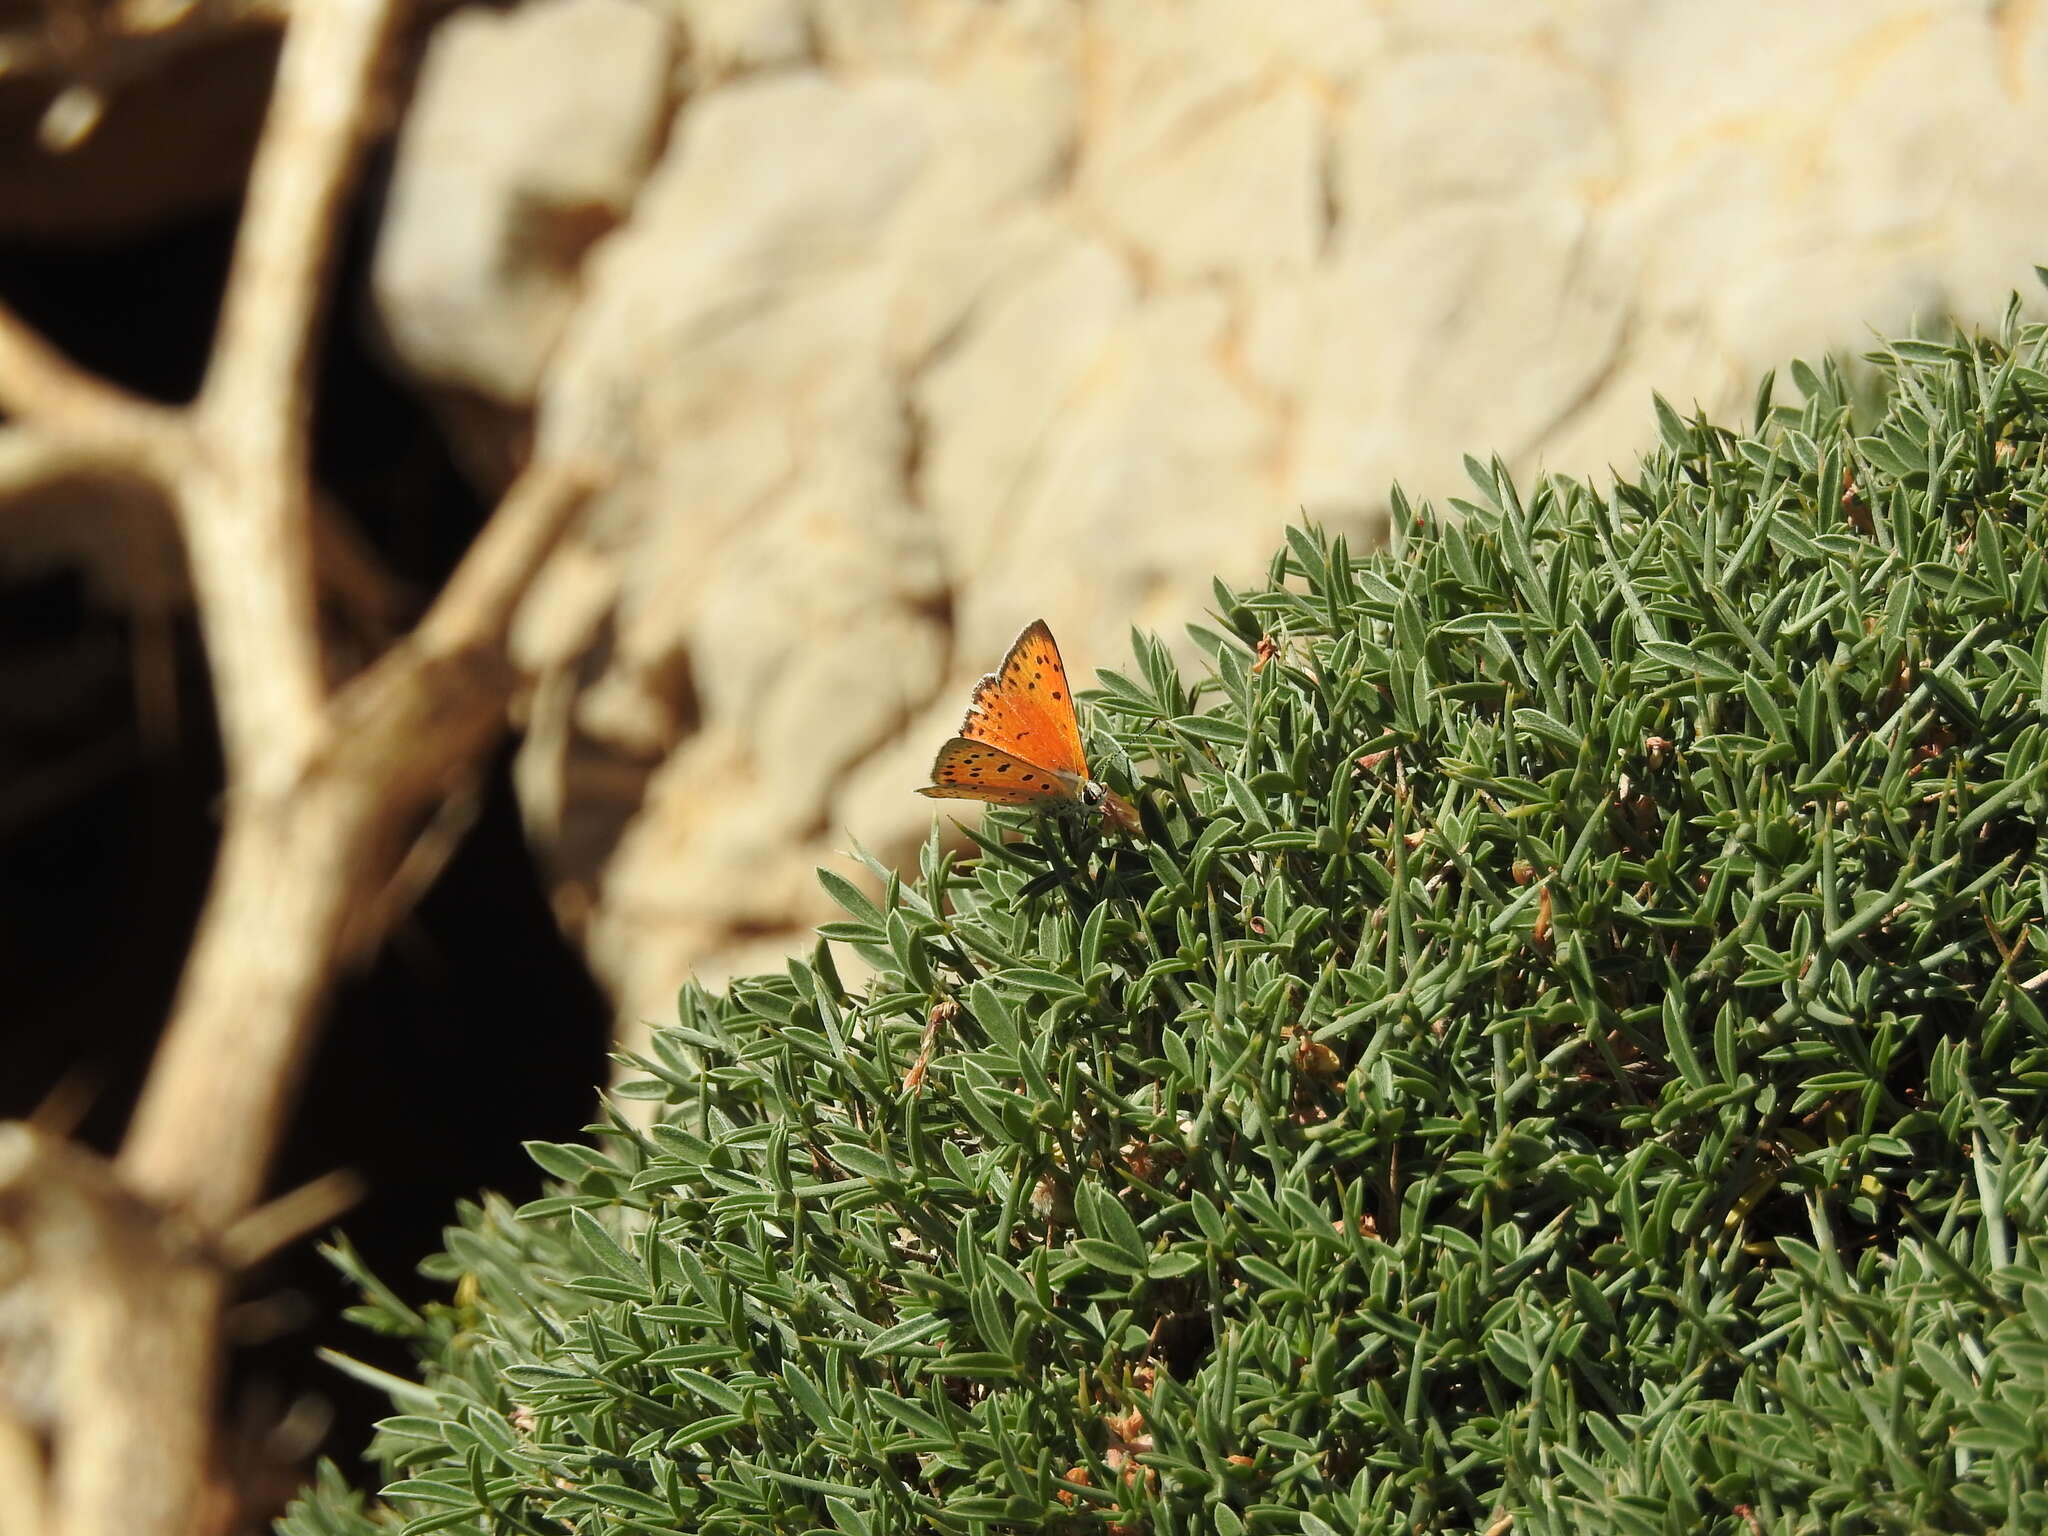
(927, 318)
(529, 136)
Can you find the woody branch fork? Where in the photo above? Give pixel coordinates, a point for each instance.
(122, 1271)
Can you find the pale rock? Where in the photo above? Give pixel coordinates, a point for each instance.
(1334, 44)
(972, 214)
(810, 710)
(773, 567)
(1239, 196)
(1272, 337)
(1797, 66)
(2017, 46)
(1984, 249)
(1070, 486)
(859, 35)
(1609, 427)
(1814, 213)
(1402, 386)
(1883, 175)
(1003, 144)
(734, 37)
(1160, 76)
(939, 37)
(992, 406)
(953, 281)
(635, 711)
(1464, 126)
(878, 807)
(1159, 429)
(771, 182)
(564, 608)
(1543, 28)
(490, 210)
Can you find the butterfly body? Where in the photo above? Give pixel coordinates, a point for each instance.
(1021, 741)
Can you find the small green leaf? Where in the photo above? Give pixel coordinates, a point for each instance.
(1686, 659)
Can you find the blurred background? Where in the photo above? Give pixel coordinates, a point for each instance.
(901, 322)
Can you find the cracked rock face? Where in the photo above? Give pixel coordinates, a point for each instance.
(903, 324)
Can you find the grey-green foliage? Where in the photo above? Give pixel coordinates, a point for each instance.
(1568, 1047)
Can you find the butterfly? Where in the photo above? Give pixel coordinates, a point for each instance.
(1021, 741)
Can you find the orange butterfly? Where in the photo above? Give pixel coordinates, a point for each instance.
(1021, 742)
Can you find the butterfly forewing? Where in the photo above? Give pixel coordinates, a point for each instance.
(974, 770)
(1025, 708)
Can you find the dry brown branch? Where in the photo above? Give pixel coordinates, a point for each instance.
(294, 869)
(78, 421)
(120, 1309)
(30, 459)
(326, 795)
(281, 1222)
(244, 505)
(21, 1478)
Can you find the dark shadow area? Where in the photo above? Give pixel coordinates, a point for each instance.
(476, 1028)
(102, 868)
(137, 312)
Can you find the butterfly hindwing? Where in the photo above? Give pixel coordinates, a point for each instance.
(1026, 708)
(975, 770)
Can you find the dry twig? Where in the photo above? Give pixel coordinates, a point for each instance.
(326, 791)
(117, 1298)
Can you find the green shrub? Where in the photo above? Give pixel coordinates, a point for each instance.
(1569, 1047)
